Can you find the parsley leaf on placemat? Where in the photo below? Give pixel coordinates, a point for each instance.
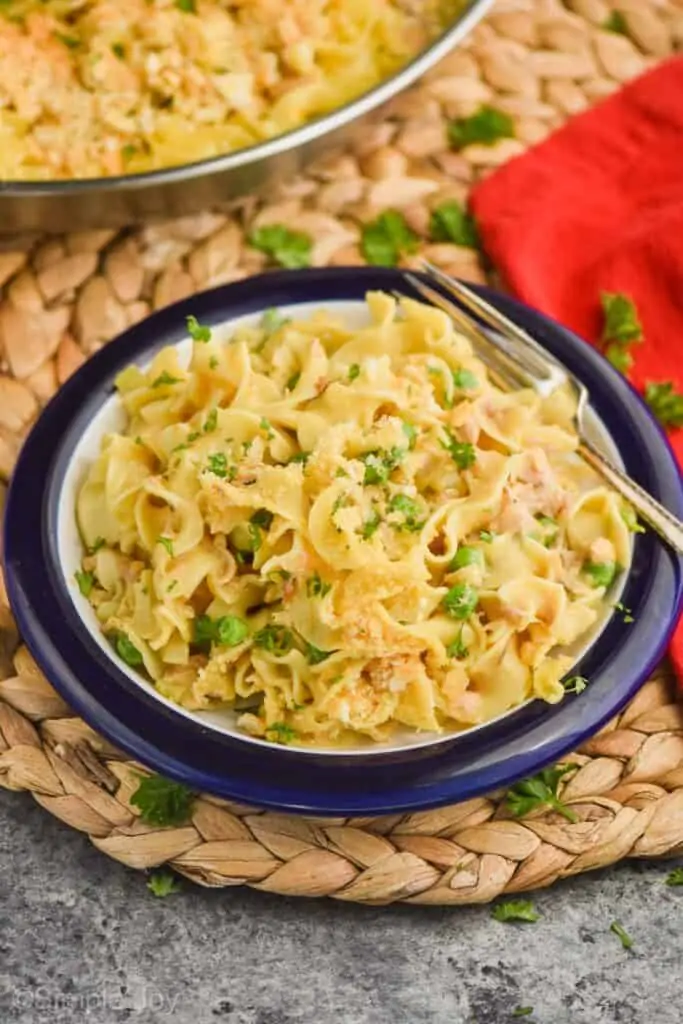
(515, 910)
(291, 249)
(486, 126)
(162, 802)
(387, 238)
(675, 877)
(163, 883)
(621, 934)
(540, 791)
(616, 22)
(451, 223)
(621, 318)
(666, 404)
(621, 329)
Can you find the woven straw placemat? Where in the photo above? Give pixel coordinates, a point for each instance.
(62, 298)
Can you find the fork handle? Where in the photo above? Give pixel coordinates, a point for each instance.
(663, 522)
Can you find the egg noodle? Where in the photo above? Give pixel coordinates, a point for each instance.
(90, 88)
(341, 532)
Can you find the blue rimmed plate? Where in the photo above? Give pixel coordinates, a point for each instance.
(40, 509)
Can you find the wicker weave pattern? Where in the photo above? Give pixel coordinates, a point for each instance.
(62, 298)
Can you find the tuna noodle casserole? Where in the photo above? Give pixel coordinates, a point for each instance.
(344, 532)
(92, 88)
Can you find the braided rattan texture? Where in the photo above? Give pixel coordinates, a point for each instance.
(62, 298)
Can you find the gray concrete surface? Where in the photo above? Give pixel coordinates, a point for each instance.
(81, 939)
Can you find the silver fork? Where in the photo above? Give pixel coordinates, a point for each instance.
(515, 359)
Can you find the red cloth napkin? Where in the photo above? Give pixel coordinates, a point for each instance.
(599, 207)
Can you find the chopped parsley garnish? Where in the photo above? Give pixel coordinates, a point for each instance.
(665, 403)
(263, 518)
(280, 732)
(314, 656)
(465, 380)
(487, 536)
(218, 465)
(621, 934)
(379, 465)
(162, 802)
(293, 381)
(522, 1011)
(299, 457)
(462, 452)
(127, 650)
(386, 239)
(486, 126)
(371, 525)
(71, 41)
(601, 574)
(167, 543)
(197, 331)
(128, 151)
(354, 371)
(213, 362)
(615, 22)
(575, 684)
(85, 581)
(164, 379)
(540, 791)
(119, 50)
(163, 883)
(172, 585)
(631, 519)
(316, 587)
(277, 640)
(272, 320)
(187, 6)
(451, 223)
(464, 556)
(457, 648)
(255, 538)
(227, 630)
(515, 910)
(549, 532)
(460, 601)
(410, 509)
(290, 249)
(265, 426)
(411, 433)
(194, 435)
(627, 617)
(621, 318)
(279, 574)
(211, 421)
(341, 501)
(675, 877)
(405, 504)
